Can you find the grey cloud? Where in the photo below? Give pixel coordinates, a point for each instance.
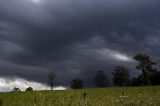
(71, 37)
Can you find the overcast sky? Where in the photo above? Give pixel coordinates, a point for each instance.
(74, 38)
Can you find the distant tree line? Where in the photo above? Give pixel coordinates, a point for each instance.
(121, 76)
(150, 75)
(15, 89)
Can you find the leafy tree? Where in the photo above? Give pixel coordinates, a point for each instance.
(155, 78)
(142, 80)
(135, 82)
(101, 79)
(51, 78)
(29, 89)
(77, 84)
(16, 89)
(121, 76)
(145, 64)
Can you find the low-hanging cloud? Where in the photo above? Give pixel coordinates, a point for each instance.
(7, 85)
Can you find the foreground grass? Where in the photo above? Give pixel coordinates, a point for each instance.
(132, 96)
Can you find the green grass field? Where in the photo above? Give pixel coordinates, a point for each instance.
(132, 96)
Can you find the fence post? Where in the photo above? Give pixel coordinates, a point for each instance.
(1, 102)
(84, 96)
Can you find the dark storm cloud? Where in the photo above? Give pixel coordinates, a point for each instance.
(75, 38)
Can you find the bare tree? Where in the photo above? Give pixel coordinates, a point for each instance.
(51, 78)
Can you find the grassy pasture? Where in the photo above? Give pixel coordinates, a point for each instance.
(131, 96)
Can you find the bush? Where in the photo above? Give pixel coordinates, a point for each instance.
(77, 84)
(29, 89)
(16, 90)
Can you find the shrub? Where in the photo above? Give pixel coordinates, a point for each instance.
(29, 89)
